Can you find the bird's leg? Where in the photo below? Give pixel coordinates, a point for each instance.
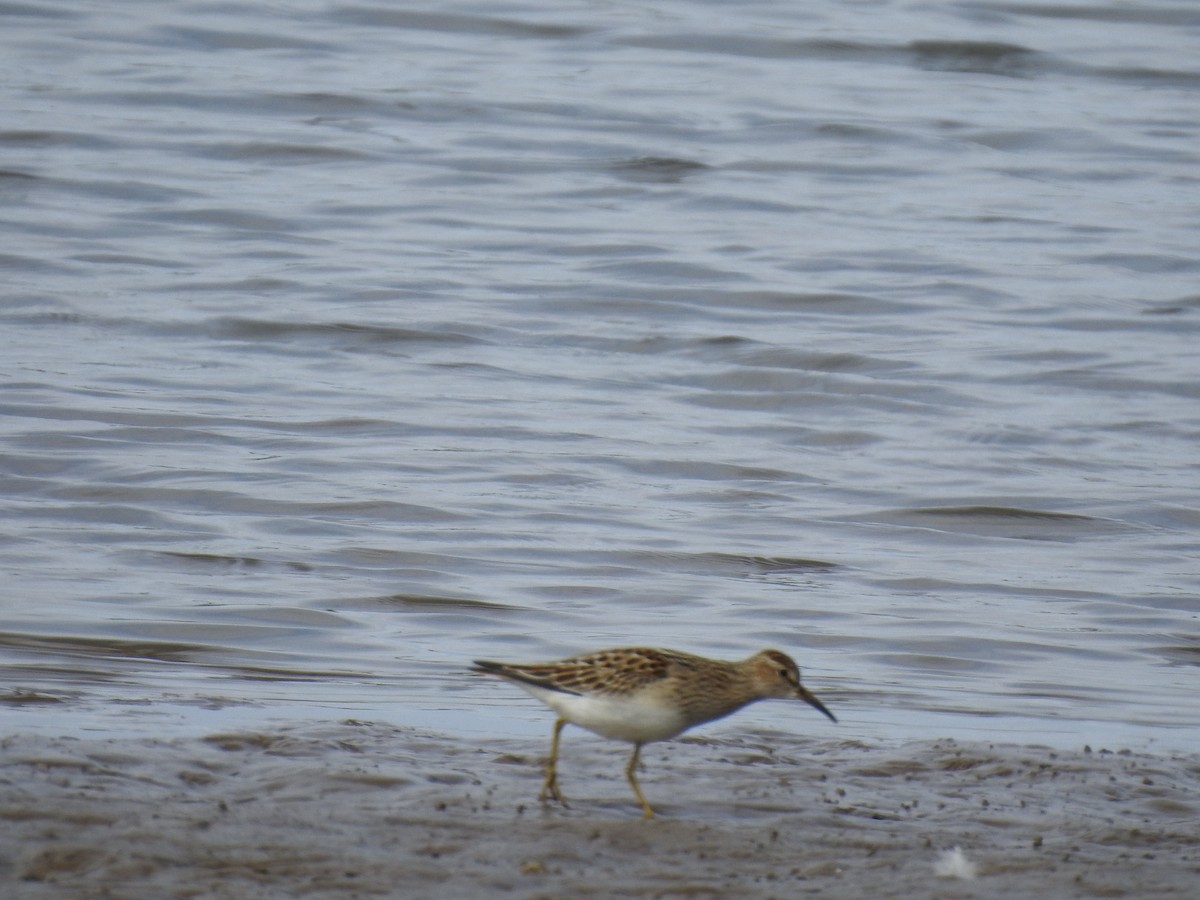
(550, 789)
(631, 774)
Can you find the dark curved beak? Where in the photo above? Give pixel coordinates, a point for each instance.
(808, 697)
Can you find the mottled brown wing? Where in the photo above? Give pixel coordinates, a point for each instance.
(618, 672)
(621, 671)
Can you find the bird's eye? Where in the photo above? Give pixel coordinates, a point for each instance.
(785, 674)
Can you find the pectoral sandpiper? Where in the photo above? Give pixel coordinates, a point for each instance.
(638, 694)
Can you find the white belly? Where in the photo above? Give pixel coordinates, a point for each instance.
(633, 719)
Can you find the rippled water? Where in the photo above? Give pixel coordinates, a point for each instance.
(342, 343)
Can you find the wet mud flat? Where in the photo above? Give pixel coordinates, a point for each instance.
(368, 810)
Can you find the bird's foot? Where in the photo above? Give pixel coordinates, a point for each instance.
(550, 791)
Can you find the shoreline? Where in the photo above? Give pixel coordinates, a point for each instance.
(363, 810)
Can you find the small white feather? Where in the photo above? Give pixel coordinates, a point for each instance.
(954, 864)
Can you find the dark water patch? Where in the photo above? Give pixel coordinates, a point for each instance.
(260, 329)
(1174, 516)
(834, 439)
(662, 271)
(323, 103)
(1116, 384)
(50, 140)
(118, 518)
(779, 387)
(1147, 263)
(977, 57)
(406, 562)
(1018, 140)
(17, 263)
(924, 663)
(985, 57)
(232, 221)
(1001, 521)
(217, 40)
(816, 361)
(421, 20)
(131, 261)
(153, 508)
(283, 154)
(824, 303)
(1122, 323)
(1190, 303)
(748, 353)
(1151, 78)
(700, 470)
(733, 565)
(129, 196)
(317, 106)
(290, 674)
(40, 11)
(431, 602)
(104, 648)
(1110, 695)
(656, 169)
(224, 561)
(61, 449)
(1186, 653)
(859, 133)
(942, 587)
(577, 592)
(253, 286)
(732, 44)
(889, 401)
(547, 479)
(1004, 436)
(641, 564)
(20, 697)
(1184, 15)
(615, 248)
(109, 656)
(825, 165)
(757, 305)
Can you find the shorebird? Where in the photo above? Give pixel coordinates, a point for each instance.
(640, 694)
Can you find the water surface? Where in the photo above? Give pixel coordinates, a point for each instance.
(343, 343)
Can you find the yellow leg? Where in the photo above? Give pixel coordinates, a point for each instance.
(550, 789)
(631, 774)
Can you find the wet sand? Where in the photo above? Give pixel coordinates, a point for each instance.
(368, 810)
